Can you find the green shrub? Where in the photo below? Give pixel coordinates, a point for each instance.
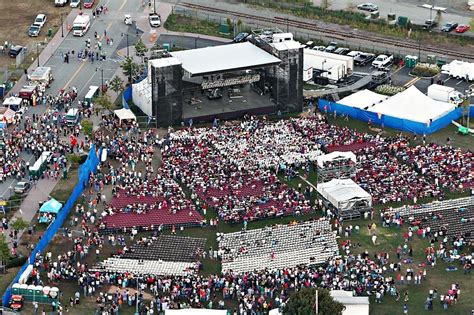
(425, 70)
(389, 90)
(17, 262)
(87, 127)
(76, 159)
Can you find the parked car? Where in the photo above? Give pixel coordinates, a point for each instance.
(34, 30)
(88, 4)
(22, 187)
(368, 7)
(155, 20)
(241, 37)
(15, 51)
(354, 53)
(331, 48)
(342, 51)
(463, 28)
(40, 20)
(448, 27)
(382, 61)
(75, 3)
(127, 19)
(319, 48)
(430, 24)
(363, 59)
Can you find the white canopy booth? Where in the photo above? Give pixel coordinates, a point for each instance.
(336, 165)
(348, 198)
(124, 114)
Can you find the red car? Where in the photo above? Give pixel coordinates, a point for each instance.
(88, 4)
(462, 28)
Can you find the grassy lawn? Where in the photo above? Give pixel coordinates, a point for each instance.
(181, 23)
(64, 187)
(387, 241)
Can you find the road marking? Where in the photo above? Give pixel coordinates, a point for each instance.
(411, 82)
(123, 4)
(83, 64)
(459, 82)
(399, 69)
(447, 79)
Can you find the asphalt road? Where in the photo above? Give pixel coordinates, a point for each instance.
(84, 74)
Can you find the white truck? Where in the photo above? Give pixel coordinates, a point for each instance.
(382, 61)
(81, 24)
(60, 3)
(445, 94)
(459, 70)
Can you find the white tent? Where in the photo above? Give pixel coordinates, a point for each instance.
(336, 155)
(343, 193)
(141, 96)
(363, 99)
(413, 105)
(124, 114)
(355, 305)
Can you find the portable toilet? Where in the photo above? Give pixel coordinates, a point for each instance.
(431, 59)
(402, 20)
(23, 289)
(411, 61)
(54, 293)
(38, 293)
(45, 295)
(16, 289)
(167, 46)
(31, 293)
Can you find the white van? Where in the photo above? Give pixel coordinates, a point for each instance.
(72, 116)
(81, 24)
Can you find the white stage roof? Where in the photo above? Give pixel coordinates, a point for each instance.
(224, 58)
(413, 105)
(334, 155)
(342, 193)
(363, 99)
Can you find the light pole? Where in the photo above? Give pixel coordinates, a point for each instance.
(467, 101)
(154, 6)
(37, 53)
(136, 300)
(101, 80)
(62, 28)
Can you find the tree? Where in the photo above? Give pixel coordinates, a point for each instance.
(140, 48)
(130, 68)
(104, 102)
(4, 250)
(304, 302)
(326, 4)
(116, 84)
(19, 224)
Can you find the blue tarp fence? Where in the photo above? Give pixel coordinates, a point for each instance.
(390, 121)
(88, 167)
(126, 97)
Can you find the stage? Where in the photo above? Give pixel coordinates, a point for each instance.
(197, 106)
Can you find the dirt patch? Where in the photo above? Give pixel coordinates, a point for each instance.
(16, 18)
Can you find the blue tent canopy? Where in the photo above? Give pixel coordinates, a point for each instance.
(51, 206)
(3, 125)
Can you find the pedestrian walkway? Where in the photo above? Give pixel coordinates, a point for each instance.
(30, 205)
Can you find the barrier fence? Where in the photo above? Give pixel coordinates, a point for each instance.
(88, 167)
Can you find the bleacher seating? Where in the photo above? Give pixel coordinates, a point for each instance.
(145, 267)
(279, 246)
(453, 217)
(167, 248)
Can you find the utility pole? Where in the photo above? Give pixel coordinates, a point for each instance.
(316, 302)
(37, 53)
(101, 80)
(62, 28)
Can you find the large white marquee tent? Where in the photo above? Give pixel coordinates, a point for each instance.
(343, 194)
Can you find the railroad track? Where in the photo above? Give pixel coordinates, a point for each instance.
(336, 34)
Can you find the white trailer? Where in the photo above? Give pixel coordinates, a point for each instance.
(459, 70)
(334, 67)
(445, 94)
(81, 24)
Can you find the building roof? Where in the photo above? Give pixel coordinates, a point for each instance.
(224, 58)
(287, 45)
(164, 62)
